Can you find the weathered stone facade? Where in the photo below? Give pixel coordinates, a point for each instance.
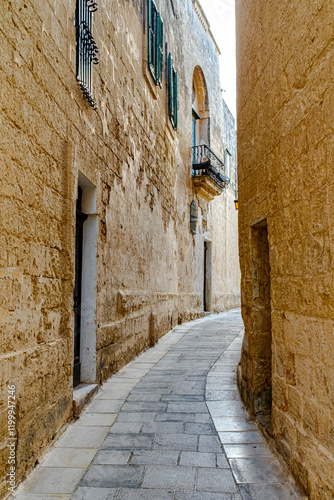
(143, 269)
(285, 58)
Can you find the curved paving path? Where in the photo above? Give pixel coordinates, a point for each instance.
(151, 431)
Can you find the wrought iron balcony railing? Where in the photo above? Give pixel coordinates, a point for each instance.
(205, 162)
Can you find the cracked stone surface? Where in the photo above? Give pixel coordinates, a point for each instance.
(169, 426)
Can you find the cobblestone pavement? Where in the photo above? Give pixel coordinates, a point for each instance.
(169, 426)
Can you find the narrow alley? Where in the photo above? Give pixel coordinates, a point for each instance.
(141, 206)
(169, 426)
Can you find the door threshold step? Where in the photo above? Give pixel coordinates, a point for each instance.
(82, 395)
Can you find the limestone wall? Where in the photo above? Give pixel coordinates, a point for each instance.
(285, 170)
(135, 171)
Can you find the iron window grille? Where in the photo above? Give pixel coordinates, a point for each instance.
(155, 42)
(86, 49)
(172, 91)
(193, 216)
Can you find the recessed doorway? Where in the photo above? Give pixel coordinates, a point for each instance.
(207, 278)
(85, 294)
(262, 337)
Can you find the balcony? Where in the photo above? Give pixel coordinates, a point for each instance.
(208, 172)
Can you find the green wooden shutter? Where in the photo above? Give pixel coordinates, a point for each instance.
(159, 67)
(175, 97)
(149, 32)
(170, 86)
(156, 48)
(173, 91)
(155, 42)
(152, 36)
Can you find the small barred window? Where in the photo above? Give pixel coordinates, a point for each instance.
(193, 216)
(155, 42)
(172, 91)
(87, 49)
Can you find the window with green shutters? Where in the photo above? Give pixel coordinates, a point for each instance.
(172, 91)
(155, 42)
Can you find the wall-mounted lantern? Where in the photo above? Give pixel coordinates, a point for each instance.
(236, 204)
(193, 216)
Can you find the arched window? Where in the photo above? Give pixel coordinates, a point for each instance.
(200, 110)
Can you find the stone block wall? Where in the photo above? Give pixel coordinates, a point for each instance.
(285, 57)
(149, 266)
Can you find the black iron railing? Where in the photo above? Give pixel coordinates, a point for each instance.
(205, 162)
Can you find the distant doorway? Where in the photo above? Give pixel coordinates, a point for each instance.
(207, 278)
(80, 219)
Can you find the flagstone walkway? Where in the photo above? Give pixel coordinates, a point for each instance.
(169, 426)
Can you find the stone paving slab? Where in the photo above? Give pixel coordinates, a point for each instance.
(225, 408)
(283, 491)
(53, 480)
(45, 496)
(175, 417)
(126, 427)
(170, 478)
(237, 437)
(238, 424)
(128, 441)
(96, 420)
(155, 457)
(175, 442)
(84, 493)
(196, 495)
(136, 417)
(209, 443)
(168, 426)
(83, 437)
(113, 476)
(114, 457)
(163, 427)
(216, 480)
(69, 457)
(147, 396)
(106, 405)
(247, 450)
(196, 459)
(144, 494)
(257, 470)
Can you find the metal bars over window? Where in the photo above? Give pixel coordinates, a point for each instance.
(87, 49)
(193, 216)
(172, 92)
(155, 42)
